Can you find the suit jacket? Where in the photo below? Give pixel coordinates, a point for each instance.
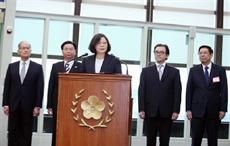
(159, 97)
(53, 81)
(110, 64)
(207, 99)
(26, 95)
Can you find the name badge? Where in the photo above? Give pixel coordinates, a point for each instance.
(215, 79)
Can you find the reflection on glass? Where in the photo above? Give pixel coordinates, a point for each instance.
(48, 65)
(227, 116)
(226, 51)
(125, 41)
(176, 41)
(112, 12)
(189, 19)
(59, 31)
(86, 33)
(192, 4)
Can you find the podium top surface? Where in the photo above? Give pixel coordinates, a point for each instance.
(91, 76)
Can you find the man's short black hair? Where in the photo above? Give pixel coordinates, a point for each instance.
(68, 42)
(210, 50)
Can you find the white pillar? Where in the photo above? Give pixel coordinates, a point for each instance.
(5, 59)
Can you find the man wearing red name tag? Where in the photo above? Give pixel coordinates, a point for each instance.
(206, 97)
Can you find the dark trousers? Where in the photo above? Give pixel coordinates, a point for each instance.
(20, 128)
(153, 125)
(54, 127)
(198, 125)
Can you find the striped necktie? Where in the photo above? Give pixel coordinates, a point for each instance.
(67, 67)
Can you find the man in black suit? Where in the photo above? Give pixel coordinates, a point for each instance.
(68, 65)
(22, 96)
(159, 97)
(206, 97)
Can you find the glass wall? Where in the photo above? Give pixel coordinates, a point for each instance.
(128, 42)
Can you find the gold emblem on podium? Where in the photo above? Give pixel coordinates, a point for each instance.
(94, 113)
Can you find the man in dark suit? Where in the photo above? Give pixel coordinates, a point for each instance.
(159, 97)
(22, 96)
(206, 97)
(68, 65)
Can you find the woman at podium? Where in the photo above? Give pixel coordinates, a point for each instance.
(101, 61)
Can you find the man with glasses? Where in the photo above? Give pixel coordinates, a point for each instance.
(68, 65)
(206, 97)
(159, 97)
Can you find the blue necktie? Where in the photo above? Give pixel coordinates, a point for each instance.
(206, 74)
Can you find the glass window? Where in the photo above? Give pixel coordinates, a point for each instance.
(24, 30)
(134, 71)
(183, 78)
(114, 12)
(46, 6)
(177, 42)
(202, 39)
(226, 22)
(59, 31)
(123, 1)
(183, 18)
(191, 4)
(226, 51)
(85, 36)
(125, 41)
(227, 5)
(227, 116)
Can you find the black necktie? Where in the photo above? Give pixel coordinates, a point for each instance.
(67, 67)
(206, 74)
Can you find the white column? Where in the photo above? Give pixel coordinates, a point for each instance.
(5, 59)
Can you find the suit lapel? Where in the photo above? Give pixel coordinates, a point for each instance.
(74, 67)
(201, 73)
(29, 71)
(104, 64)
(155, 73)
(17, 71)
(212, 72)
(165, 73)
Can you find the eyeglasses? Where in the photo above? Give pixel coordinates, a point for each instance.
(159, 52)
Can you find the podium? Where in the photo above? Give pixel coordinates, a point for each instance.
(93, 110)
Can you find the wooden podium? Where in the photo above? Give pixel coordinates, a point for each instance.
(93, 110)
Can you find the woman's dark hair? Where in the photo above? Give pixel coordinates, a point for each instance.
(68, 42)
(207, 47)
(95, 40)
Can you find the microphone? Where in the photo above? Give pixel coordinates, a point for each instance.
(122, 62)
(82, 56)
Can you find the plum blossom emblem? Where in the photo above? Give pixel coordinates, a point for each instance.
(92, 107)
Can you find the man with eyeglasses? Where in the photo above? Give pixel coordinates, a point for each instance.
(159, 97)
(206, 97)
(68, 65)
